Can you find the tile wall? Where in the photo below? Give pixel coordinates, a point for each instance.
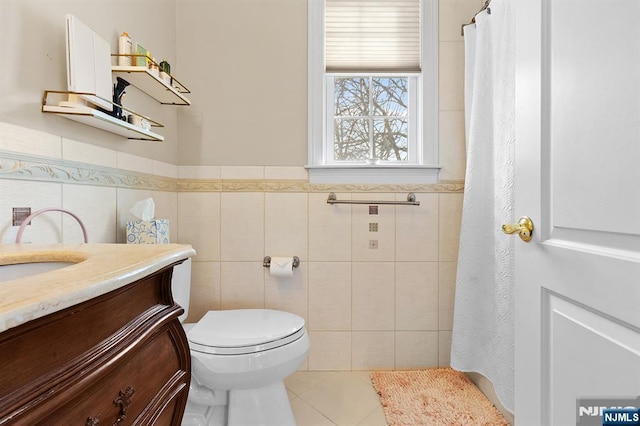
(452, 15)
(100, 185)
(389, 307)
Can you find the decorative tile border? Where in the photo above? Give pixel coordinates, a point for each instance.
(23, 167)
(431, 187)
(276, 185)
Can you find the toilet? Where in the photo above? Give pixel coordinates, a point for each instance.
(239, 360)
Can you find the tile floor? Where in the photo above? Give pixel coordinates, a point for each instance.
(334, 398)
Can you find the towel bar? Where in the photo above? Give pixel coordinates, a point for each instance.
(411, 201)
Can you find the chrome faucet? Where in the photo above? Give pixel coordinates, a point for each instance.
(49, 209)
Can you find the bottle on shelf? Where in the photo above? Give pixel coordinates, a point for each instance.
(125, 47)
(153, 67)
(165, 71)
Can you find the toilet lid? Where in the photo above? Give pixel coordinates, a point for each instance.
(242, 331)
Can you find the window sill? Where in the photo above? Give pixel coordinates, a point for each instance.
(377, 174)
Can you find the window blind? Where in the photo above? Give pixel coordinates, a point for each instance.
(370, 35)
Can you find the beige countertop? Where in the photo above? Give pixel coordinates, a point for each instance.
(98, 269)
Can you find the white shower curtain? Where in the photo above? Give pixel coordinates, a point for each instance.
(483, 327)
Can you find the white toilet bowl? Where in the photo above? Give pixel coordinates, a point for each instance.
(239, 360)
(243, 356)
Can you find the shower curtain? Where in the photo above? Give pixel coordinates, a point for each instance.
(483, 327)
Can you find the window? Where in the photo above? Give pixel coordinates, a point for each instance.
(372, 91)
(368, 120)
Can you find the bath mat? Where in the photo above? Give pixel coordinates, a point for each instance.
(434, 397)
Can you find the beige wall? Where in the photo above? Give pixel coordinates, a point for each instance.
(237, 205)
(32, 52)
(246, 61)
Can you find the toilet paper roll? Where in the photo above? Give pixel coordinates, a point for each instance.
(281, 267)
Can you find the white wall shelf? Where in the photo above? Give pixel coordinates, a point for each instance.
(95, 118)
(142, 78)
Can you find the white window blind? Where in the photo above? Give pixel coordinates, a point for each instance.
(370, 35)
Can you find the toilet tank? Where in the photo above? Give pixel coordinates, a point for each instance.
(181, 286)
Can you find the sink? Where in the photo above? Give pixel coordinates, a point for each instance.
(21, 270)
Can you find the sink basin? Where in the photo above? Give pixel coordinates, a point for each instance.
(21, 270)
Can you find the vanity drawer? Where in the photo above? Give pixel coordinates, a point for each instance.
(124, 353)
(30, 352)
(131, 390)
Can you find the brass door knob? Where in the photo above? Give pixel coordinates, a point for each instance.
(524, 228)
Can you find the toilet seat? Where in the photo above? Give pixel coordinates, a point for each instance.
(244, 331)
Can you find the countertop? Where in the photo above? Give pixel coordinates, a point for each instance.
(100, 268)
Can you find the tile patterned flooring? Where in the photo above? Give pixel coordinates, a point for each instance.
(334, 398)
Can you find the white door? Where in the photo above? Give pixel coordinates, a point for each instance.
(578, 178)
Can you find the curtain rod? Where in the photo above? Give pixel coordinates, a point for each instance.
(486, 7)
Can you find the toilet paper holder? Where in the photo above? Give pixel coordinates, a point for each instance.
(266, 262)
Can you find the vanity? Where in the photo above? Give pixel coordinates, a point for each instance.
(94, 341)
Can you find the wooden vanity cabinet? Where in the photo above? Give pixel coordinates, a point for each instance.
(118, 359)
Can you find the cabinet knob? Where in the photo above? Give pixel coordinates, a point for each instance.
(123, 400)
(93, 421)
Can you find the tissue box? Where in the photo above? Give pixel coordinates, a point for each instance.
(154, 231)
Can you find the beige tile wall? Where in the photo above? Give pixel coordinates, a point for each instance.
(452, 15)
(104, 208)
(389, 307)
